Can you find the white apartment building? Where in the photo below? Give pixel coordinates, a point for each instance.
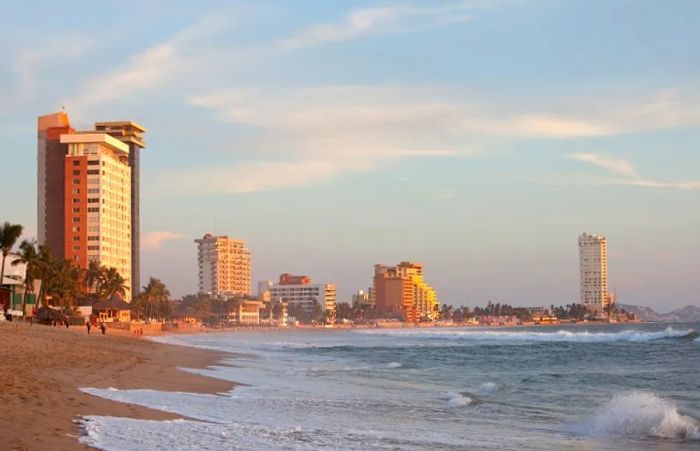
(304, 295)
(593, 273)
(99, 191)
(224, 266)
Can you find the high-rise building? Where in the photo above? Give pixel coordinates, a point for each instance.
(224, 266)
(593, 273)
(401, 292)
(131, 134)
(300, 291)
(84, 188)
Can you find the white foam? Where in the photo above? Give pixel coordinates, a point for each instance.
(455, 400)
(394, 365)
(640, 414)
(487, 388)
(531, 336)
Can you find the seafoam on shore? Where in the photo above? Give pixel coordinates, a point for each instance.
(605, 387)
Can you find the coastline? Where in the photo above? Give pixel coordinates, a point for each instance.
(42, 369)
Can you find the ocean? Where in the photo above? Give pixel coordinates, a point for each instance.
(587, 387)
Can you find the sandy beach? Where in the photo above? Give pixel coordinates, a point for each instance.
(42, 368)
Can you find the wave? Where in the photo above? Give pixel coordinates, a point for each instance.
(455, 400)
(641, 414)
(394, 365)
(635, 336)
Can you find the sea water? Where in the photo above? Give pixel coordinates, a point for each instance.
(585, 387)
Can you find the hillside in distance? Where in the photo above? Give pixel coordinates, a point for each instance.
(687, 313)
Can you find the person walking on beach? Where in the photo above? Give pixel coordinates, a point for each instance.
(88, 326)
(103, 328)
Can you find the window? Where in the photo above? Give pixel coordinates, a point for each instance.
(76, 248)
(93, 210)
(76, 238)
(76, 229)
(76, 200)
(93, 172)
(76, 210)
(76, 219)
(93, 201)
(76, 172)
(93, 162)
(76, 162)
(76, 191)
(93, 238)
(93, 248)
(76, 181)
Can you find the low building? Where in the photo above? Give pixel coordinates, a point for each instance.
(249, 312)
(114, 309)
(300, 291)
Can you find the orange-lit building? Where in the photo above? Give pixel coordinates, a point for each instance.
(401, 292)
(224, 266)
(84, 195)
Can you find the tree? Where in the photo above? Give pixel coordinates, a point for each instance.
(112, 284)
(153, 301)
(9, 234)
(94, 276)
(28, 256)
(65, 282)
(45, 269)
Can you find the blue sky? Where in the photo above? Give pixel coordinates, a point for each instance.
(477, 137)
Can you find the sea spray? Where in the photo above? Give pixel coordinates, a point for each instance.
(634, 336)
(641, 414)
(455, 400)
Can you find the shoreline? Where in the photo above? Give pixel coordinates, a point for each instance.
(42, 369)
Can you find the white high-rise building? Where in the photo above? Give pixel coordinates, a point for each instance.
(593, 272)
(224, 266)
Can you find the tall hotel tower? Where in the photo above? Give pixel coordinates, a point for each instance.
(224, 266)
(86, 203)
(593, 272)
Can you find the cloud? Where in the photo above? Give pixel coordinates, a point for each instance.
(154, 240)
(608, 163)
(384, 19)
(630, 176)
(310, 135)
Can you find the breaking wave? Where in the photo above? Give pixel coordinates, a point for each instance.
(455, 400)
(640, 415)
(394, 365)
(635, 336)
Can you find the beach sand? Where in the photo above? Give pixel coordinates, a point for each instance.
(42, 367)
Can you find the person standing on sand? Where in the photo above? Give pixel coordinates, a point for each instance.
(103, 328)
(88, 326)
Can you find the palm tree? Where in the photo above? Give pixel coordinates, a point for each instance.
(112, 284)
(28, 256)
(154, 300)
(65, 282)
(9, 234)
(45, 270)
(94, 276)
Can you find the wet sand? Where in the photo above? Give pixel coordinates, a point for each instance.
(42, 368)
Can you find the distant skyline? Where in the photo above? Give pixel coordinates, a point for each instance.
(479, 138)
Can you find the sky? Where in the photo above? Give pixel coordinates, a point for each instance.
(479, 138)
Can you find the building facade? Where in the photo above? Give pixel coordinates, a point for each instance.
(224, 266)
(86, 191)
(131, 134)
(593, 273)
(300, 291)
(401, 292)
